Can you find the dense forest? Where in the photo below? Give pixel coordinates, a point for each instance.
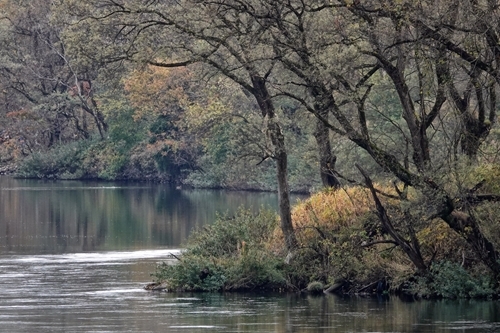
(390, 106)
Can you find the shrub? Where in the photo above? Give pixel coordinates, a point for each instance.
(190, 273)
(450, 280)
(63, 161)
(228, 255)
(255, 269)
(232, 235)
(315, 287)
(332, 227)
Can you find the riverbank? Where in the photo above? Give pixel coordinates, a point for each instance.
(112, 160)
(341, 250)
(12, 171)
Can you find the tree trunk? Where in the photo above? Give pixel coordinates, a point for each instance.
(281, 158)
(280, 155)
(468, 228)
(416, 127)
(326, 157)
(477, 118)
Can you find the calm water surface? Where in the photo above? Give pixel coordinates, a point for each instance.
(75, 256)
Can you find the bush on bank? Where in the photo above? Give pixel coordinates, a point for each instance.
(448, 279)
(230, 254)
(342, 248)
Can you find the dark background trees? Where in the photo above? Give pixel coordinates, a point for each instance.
(46, 101)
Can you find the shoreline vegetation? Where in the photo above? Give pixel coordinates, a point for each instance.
(96, 160)
(341, 250)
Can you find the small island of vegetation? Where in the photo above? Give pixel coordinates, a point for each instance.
(343, 248)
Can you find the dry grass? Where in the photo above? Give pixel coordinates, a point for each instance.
(334, 228)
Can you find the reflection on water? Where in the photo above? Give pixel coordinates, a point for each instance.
(74, 257)
(72, 216)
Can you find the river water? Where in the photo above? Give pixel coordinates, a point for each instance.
(74, 257)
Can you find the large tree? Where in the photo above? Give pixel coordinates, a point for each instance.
(333, 51)
(469, 31)
(394, 39)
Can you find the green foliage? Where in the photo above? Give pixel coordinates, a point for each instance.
(450, 280)
(228, 255)
(84, 159)
(225, 236)
(315, 287)
(62, 161)
(231, 162)
(112, 159)
(256, 269)
(186, 275)
(123, 129)
(88, 159)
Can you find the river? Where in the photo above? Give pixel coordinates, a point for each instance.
(74, 257)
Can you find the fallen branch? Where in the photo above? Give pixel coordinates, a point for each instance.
(176, 257)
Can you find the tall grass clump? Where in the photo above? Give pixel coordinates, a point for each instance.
(230, 254)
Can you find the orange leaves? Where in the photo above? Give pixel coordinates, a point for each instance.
(331, 211)
(19, 114)
(335, 209)
(155, 91)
